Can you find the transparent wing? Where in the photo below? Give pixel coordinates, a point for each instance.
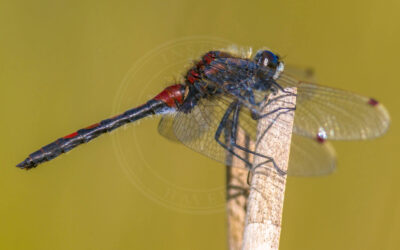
(321, 111)
(301, 73)
(165, 127)
(335, 114)
(309, 157)
(198, 128)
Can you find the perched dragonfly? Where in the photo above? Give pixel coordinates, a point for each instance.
(224, 91)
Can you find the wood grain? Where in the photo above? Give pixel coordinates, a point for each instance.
(267, 189)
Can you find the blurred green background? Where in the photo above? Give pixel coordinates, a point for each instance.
(67, 64)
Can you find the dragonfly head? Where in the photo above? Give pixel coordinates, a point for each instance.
(268, 59)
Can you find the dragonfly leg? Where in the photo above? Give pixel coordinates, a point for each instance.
(235, 108)
(265, 132)
(269, 159)
(254, 168)
(287, 94)
(222, 126)
(287, 110)
(284, 110)
(235, 125)
(282, 89)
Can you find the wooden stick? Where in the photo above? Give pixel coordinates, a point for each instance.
(265, 203)
(237, 193)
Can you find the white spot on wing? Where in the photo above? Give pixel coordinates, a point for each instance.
(322, 133)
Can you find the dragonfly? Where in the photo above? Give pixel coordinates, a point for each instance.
(226, 90)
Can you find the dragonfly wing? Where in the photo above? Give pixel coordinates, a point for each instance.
(300, 72)
(196, 129)
(321, 111)
(335, 114)
(165, 127)
(309, 157)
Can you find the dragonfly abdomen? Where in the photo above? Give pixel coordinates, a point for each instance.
(167, 100)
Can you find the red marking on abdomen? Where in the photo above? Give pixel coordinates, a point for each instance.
(71, 135)
(92, 126)
(76, 133)
(171, 94)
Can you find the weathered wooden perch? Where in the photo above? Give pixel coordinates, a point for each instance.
(237, 191)
(267, 188)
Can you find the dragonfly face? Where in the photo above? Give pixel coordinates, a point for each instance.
(268, 59)
(268, 69)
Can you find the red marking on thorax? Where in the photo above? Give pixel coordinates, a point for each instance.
(191, 79)
(208, 58)
(171, 95)
(192, 76)
(194, 73)
(199, 64)
(214, 69)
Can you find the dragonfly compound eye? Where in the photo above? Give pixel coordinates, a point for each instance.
(267, 58)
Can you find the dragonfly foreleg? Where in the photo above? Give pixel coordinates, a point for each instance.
(278, 98)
